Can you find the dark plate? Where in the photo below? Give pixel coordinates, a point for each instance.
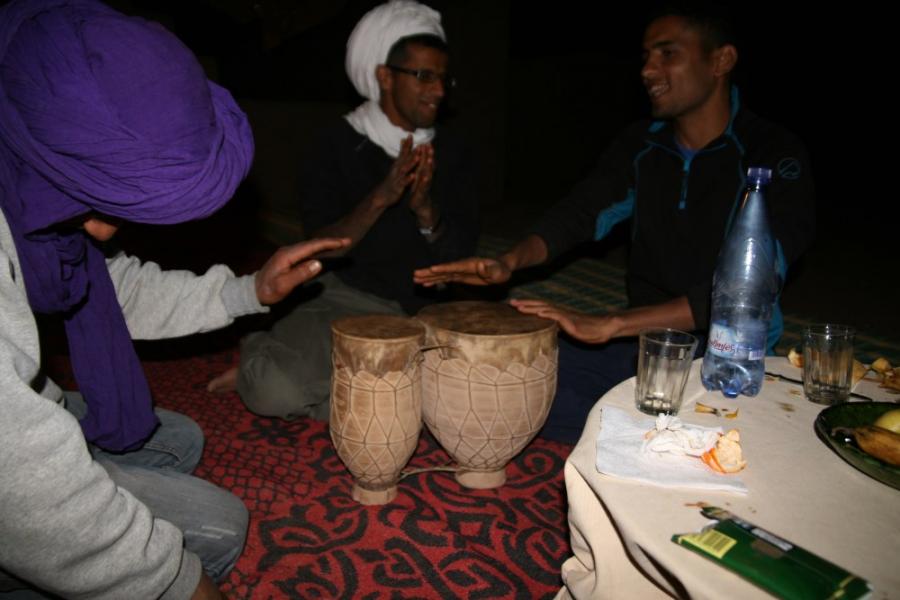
(854, 414)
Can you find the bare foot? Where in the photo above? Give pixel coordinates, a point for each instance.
(224, 383)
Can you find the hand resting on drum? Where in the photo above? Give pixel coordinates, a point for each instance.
(597, 329)
(592, 329)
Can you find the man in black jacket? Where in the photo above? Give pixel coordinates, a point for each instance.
(679, 178)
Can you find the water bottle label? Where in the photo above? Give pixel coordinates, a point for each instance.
(722, 341)
(725, 342)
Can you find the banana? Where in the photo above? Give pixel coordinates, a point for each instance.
(879, 442)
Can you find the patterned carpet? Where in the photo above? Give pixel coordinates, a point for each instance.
(309, 539)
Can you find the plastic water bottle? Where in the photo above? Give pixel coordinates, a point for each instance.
(745, 285)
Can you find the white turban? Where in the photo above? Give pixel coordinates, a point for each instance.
(380, 29)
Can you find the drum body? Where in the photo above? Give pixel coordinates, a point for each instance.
(488, 381)
(376, 400)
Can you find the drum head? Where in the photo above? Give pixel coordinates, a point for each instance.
(378, 344)
(377, 327)
(482, 318)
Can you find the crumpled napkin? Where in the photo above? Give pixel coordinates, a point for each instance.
(670, 462)
(670, 435)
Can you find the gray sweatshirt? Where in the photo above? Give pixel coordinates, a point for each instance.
(64, 525)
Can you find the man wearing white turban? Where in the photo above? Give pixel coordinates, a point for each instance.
(367, 50)
(374, 178)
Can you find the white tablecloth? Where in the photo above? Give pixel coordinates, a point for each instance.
(799, 489)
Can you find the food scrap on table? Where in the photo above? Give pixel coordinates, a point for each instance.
(719, 412)
(795, 358)
(726, 456)
(889, 375)
(881, 365)
(720, 452)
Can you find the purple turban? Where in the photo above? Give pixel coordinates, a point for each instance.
(113, 114)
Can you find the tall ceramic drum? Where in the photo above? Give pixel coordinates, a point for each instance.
(488, 381)
(376, 400)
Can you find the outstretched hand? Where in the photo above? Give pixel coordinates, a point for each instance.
(593, 329)
(289, 266)
(472, 271)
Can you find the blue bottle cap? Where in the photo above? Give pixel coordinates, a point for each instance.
(759, 175)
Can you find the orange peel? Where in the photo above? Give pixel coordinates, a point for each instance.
(726, 456)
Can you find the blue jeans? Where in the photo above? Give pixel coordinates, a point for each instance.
(586, 372)
(212, 520)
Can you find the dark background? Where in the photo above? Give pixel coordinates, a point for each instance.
(544, 87)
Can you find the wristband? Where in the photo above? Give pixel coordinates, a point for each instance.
(426, 231)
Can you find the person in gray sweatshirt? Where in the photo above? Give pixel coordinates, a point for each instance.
(103, 119)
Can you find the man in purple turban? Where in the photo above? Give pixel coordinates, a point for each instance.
(106, 118)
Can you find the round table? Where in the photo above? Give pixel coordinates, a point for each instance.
(799, 489)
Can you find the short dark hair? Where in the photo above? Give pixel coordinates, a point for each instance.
(711, 21)
(397, 53)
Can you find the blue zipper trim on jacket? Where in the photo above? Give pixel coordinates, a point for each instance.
(776, 328)
(686, 166)
(614, 214)
(776, 325)
(685, 176)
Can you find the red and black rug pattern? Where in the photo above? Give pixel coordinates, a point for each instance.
(309, 539)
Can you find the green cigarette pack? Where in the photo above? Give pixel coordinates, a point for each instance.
(776, 565)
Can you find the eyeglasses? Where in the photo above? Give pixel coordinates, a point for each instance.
(425, 76)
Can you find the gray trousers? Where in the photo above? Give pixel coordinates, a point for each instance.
(286, 372)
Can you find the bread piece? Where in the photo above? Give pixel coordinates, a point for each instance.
(881, 365)
(891, 379)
